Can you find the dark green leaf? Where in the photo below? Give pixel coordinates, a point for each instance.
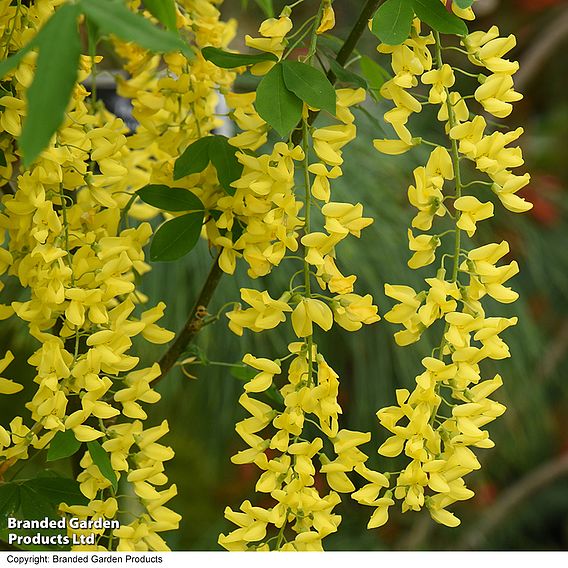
(54, 79)
(170, 198)
(175, 238)
(267, 7)
(463, 4)
(102, 460)
(63, 445)
(164, 11)
(115, 18)
(433, 13)
(278, 106)
(34, 504)
(57, 490)
(391, 22)
(224, 158)
(345, 76)
(194, 159)
(9, 501)
(3, 162)
(227, 60)
(310, 85)
(375, 74)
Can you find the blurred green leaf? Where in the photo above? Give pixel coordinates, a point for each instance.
(309, 84)
(463, 4)
(227, 60)
(53, 82)
(277, 105)
(9, 501)
(433, 13)
(375, 74)
(224, 158)
(63, 445)
(3, 162)
(164, 11)
(102, 460)
(170, 198)
(267, 7)
(57, 490)
(391, 22)
(115, 18)
(194, 158)
(346, 76)
(175, 238)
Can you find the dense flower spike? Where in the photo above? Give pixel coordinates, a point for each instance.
(437, 424)
(69, 244)
(279, 443)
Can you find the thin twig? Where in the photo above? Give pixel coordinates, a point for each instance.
(194, 322)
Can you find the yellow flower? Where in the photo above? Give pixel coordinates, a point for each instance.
(328, 19)
(7, 386)
(308, 311)
(472, 211)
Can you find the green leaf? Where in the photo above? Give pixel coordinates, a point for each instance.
(164, 11)
(3, 162)
(34, 504)
(176, 237)
(345, 76)
(9, 501)
(278, 106)
(194, 159)
(267, 7)
(391, 22)
(463, 4)
(227, 60)
(115, 18)
(102, 460)
(224, 158)
(57, 490)
(310, 85)
(375, 74)
(170, 198)
(63, 445)
(433, 13)
(53, 82)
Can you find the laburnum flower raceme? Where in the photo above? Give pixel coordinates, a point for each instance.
(66, 239)
(442, 419)
(74, 233)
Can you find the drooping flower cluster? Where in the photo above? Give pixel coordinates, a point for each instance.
(66, 238)
(438, 423)
(278, 436)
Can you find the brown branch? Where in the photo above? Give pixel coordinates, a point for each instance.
(194, 322)
(510, 499)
